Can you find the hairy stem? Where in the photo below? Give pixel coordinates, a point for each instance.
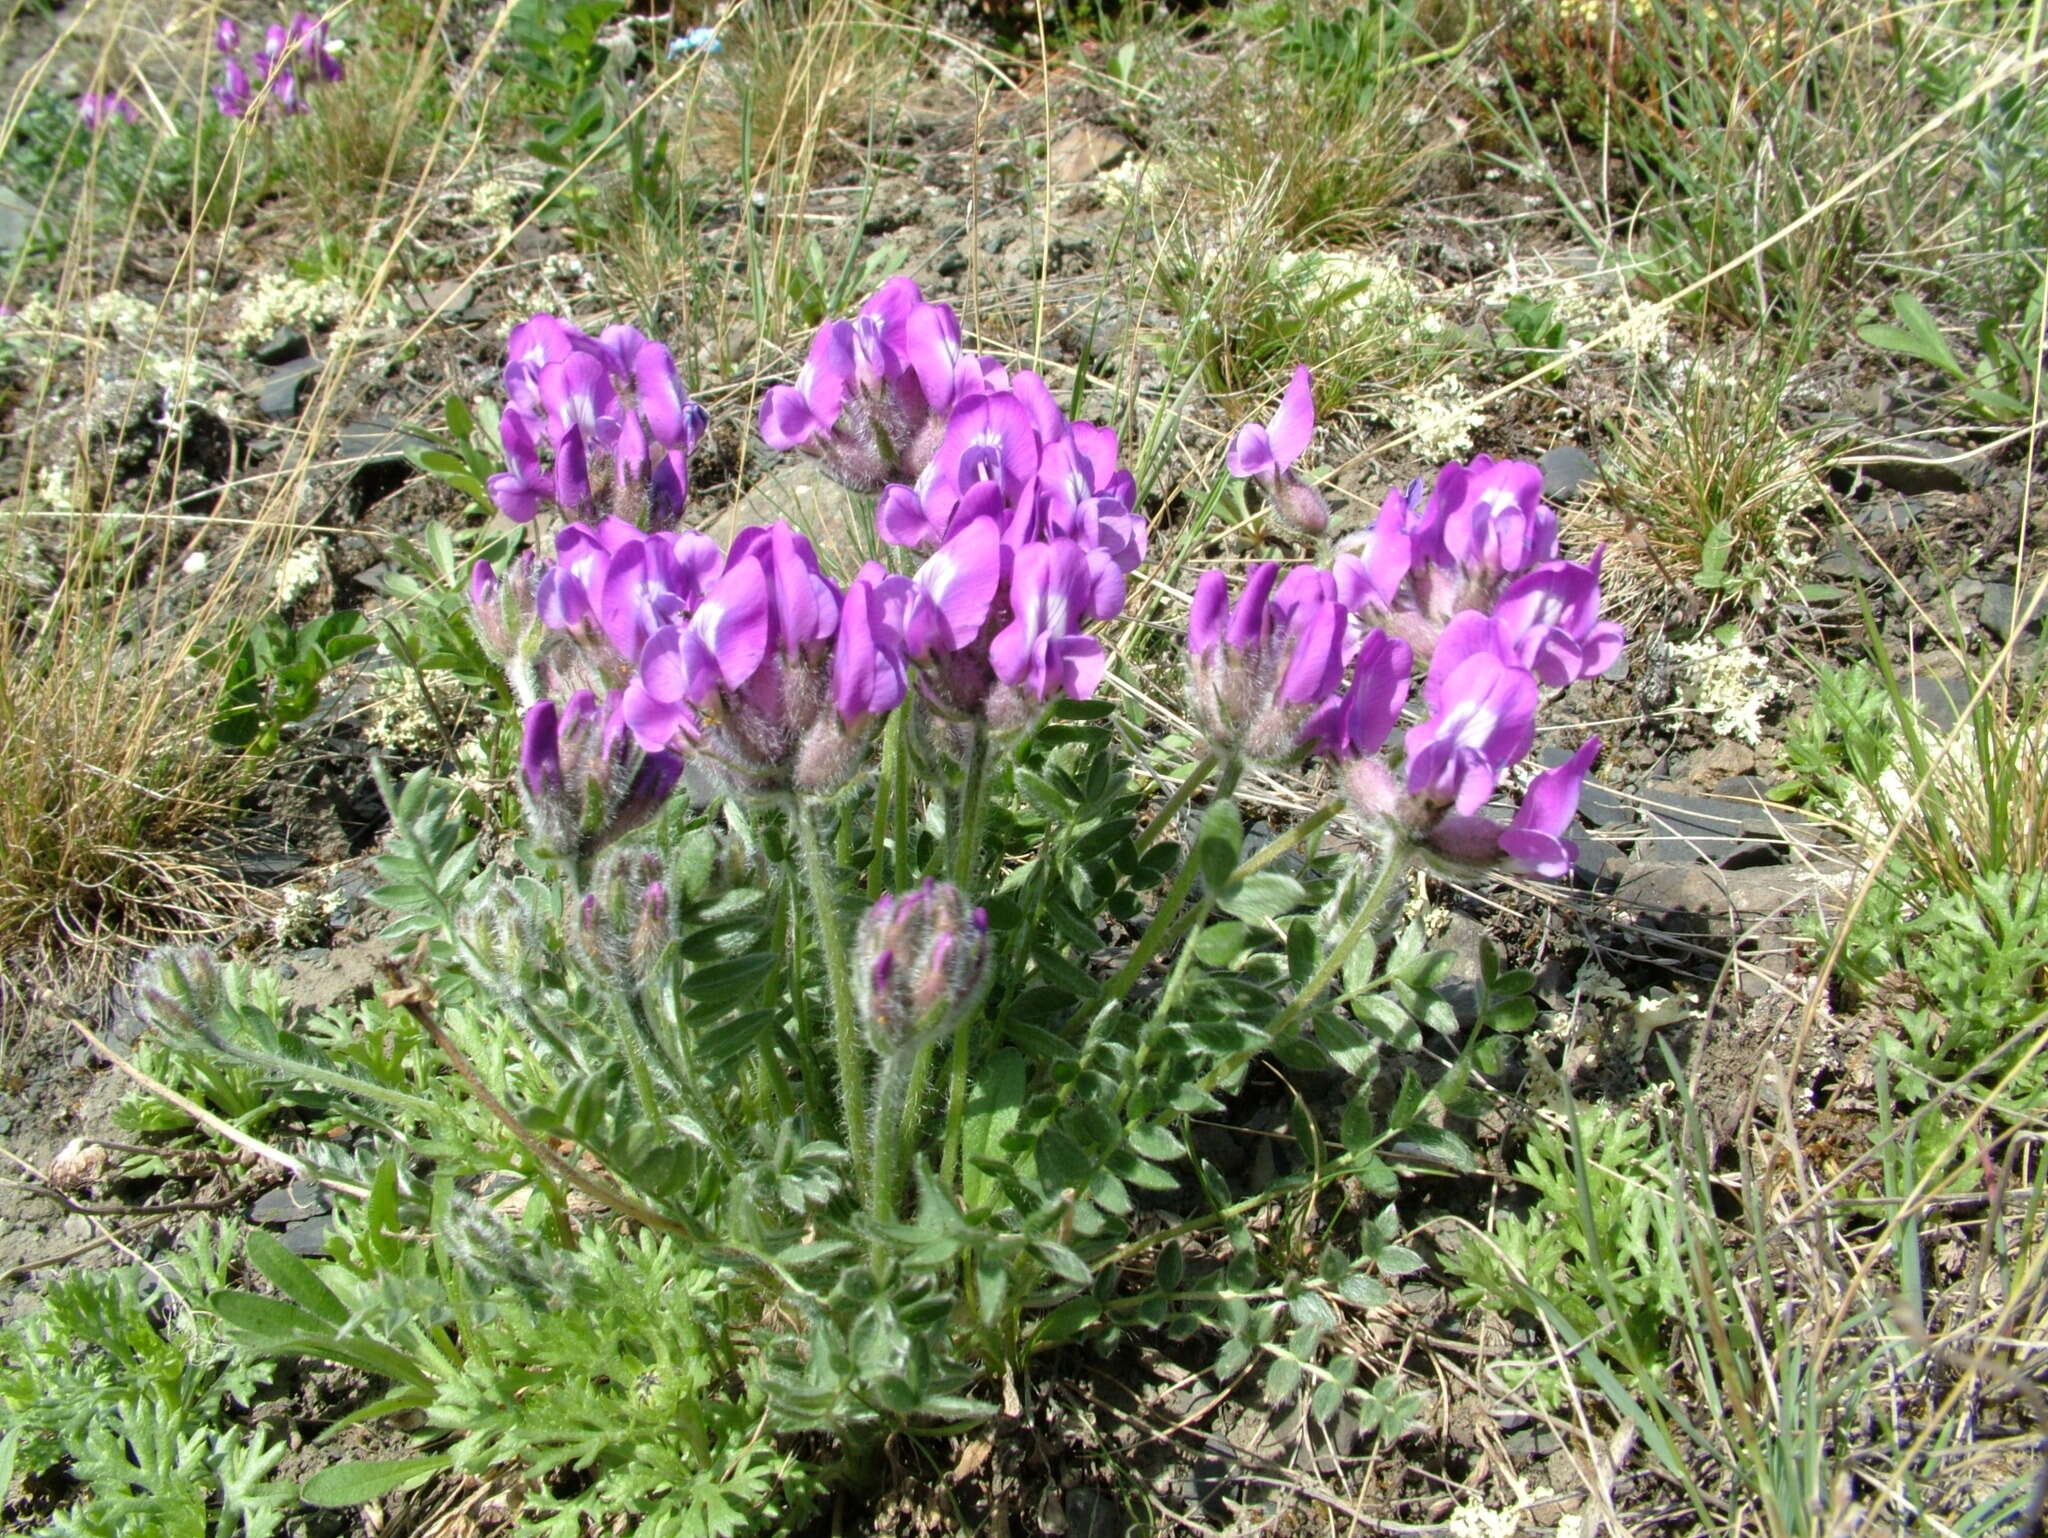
(839, 979)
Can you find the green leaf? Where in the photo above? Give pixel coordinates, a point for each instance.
(1218, 843)
(294, 1278)
(992, 1111)
(1714, 552)
(1222, 945)
(1264, 896)
(358, 1484)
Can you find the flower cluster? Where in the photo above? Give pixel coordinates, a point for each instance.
(292, 58)
(594, 421)
(751, 660)
(99, 109)
(1465, 582)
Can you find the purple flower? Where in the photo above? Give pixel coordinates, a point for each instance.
(870, 672)
(651, 580)
(1262, 672)
(684, 665)
(232, 95)
(875, 393)
(522, 486)
(1534, 841)
(1532, 844)
(1054, 589)
(1549, 619)
(1266, 454)
(584, 781)
(612, 414)
(1492, 517)
(227, 36)
(1483, 718)
(803, 603)
(97, 110)
(1359, 721)
(953, 591)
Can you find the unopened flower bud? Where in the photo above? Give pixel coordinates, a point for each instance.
(921, 964)
(503, 613)
(178, 990)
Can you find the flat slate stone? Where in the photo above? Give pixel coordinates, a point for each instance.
(1567, 471)
(1998, 609)
(295, 1203)
(284, 388)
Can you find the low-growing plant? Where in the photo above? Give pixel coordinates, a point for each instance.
(1316, 127)
(2002, 385)
(841, 967)
(1710, 490)
(122, 1389)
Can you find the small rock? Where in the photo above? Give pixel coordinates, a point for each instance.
(451, 299)
(295, 1203)
(78, 1164)
(1996, 611)
(1567, 470)
(1846, 562)
(1911, 467)
(285, 387)
(1083, 151)
(1459, 985)
(309, 1238)
(1091, 1514)
(1887, 515)
(799, 491)
(286, 345)
(1941, 700)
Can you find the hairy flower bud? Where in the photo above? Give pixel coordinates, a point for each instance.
(921, 962)
(178, 991)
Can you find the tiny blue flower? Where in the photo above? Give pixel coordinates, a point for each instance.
(696, 40)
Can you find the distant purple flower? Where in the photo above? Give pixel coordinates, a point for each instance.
(227, 36)
(98, 109)
(1266, 454)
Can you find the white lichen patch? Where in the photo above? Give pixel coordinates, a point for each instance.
(493, 200)
(400, 717)
(1438, 419)
(1475, 1519)
(119, 315)
(298, 574)
(282, 301)
(1728, 683)
(303, 918)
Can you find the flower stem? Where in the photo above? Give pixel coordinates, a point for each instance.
(967, 828)
(967, 845)
(1163, 818)
(839, 979)
(1392, 865)
(896, 1082)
